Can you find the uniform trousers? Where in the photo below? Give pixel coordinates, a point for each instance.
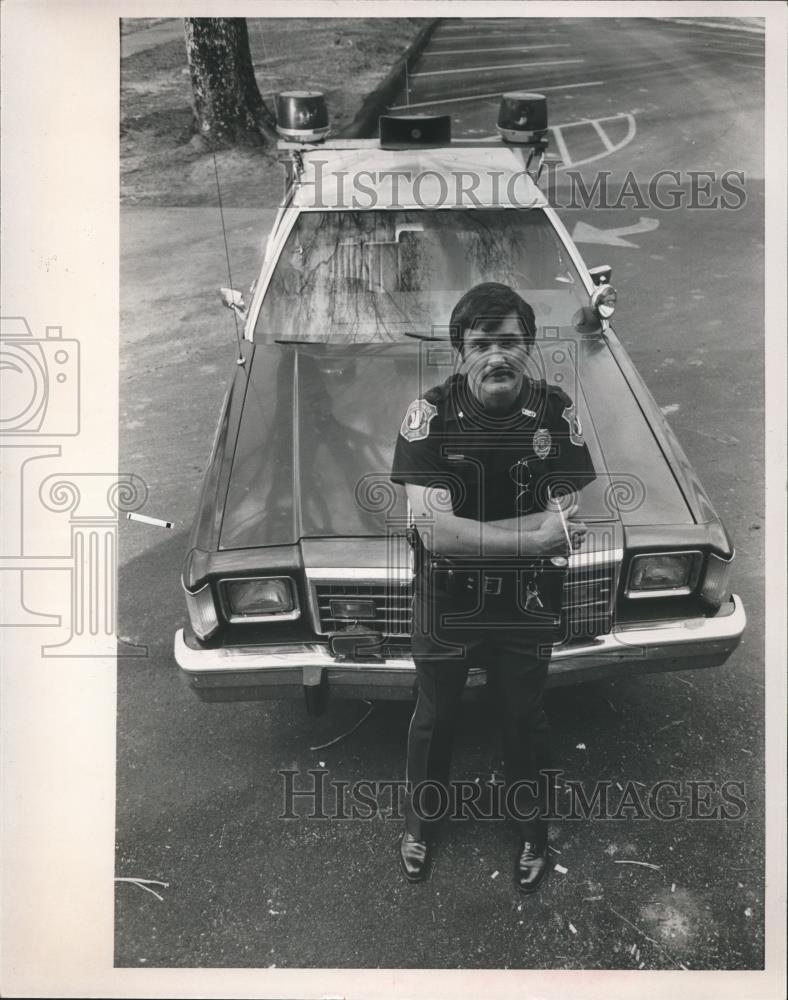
(517, 673)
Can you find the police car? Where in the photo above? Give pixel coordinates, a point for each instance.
(298, 577)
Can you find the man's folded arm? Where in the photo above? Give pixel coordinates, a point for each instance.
(444, 533)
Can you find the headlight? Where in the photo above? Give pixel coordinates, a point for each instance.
(603, 301)
(202, 612)
(663, 574)
(260, 599)
(715, 582)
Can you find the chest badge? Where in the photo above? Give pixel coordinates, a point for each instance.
(416, 423)
(543, 443)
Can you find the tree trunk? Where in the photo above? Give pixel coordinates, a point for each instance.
(228, 108)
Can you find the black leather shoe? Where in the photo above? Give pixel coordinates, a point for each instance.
(532, 866)
(414, 856)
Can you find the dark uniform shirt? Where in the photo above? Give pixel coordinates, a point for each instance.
(494, 468)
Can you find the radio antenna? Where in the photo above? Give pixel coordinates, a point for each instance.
(265, 60)
(240, 359)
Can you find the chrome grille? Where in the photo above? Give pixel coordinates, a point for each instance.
(589, 593)
(392, 605)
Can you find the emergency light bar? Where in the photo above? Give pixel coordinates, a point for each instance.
(522, 118)
(302, 116)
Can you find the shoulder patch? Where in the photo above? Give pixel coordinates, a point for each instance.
(416, 423)
(575, 430)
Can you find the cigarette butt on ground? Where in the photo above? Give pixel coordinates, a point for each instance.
(573, 929)
(560, 869)
(144, 519)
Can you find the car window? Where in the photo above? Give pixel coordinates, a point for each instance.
(378, 276)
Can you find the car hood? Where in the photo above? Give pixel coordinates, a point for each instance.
(316, 439)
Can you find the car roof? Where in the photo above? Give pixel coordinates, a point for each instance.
(357, 175)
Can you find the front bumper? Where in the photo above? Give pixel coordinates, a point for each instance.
(239, 673)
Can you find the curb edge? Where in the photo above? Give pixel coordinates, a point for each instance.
(365, 123)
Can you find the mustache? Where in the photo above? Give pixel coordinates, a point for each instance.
(503, 369)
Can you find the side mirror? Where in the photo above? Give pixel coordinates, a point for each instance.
(601, 275)
(233, 300)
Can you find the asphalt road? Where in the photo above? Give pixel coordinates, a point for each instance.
(198, 789)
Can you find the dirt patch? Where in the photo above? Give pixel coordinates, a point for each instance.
(343, 57)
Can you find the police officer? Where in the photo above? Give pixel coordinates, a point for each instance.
(484, 458)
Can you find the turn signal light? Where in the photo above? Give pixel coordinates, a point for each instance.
(345, 610)
(202, 612)
(715, 582)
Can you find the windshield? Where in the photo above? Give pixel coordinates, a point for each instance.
(380, 276)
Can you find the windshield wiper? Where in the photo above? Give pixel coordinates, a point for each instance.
(307, 343)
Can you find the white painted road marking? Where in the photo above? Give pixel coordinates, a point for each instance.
(486, 97)
(481, 69)
(603, 136)
(505, 48)
(563, 152)
(596, 123)
(501, 37)
(583, 233)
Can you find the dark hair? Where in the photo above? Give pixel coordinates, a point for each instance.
(484, 307)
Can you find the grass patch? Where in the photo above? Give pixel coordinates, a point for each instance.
(343, 57)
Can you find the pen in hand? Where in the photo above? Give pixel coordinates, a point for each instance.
(561, 515)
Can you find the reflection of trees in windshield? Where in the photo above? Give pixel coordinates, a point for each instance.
(373, 276)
